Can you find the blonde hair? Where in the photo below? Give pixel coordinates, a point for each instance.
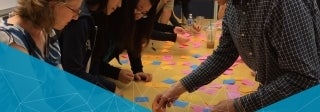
(38, 12)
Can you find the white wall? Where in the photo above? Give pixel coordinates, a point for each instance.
(5, 5)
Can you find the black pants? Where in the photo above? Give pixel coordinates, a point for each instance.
(184, 5)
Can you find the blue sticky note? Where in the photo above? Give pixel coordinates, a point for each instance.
(124, 61)
(229, 81)
(156, 62)
(169, 81)
(196, 55)
(206, 109)
(180, 103)
(141, 99)
(194, 67)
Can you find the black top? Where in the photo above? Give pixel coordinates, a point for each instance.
(76, 49)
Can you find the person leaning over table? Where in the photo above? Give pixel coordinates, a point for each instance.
(279, 39)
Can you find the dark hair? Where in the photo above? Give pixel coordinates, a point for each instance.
(132, 34)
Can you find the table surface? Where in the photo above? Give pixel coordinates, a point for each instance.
(172, 61)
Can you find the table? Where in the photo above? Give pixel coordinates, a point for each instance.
(173, 61)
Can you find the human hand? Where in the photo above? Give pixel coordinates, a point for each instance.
(181, 39)
(125, 76)
(167, 98)
(197, 27)
(221, 2)
(143, 76)
(179, 30)
(224, 106)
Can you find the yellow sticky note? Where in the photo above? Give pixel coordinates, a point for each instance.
(176, 77)
(166, 68)
(166, 47)
(164, 50)
(246, 89)
(184, 57)
(157, 85)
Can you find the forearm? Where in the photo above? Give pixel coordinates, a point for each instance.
(162, 36)
(163, 27)
(281, 88)
(135, 62)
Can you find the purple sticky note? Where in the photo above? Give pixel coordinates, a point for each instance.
(196, 55)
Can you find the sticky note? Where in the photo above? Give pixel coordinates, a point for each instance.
(196, 55)
(169, 81)
(164, 50)
(124, 61)
(167, 57)
(228, 72)
(247, 82)
(194, 67)
(141, 99)
(166, 68)
(156, 62)
(184, 57)
(229, 81)
(179, 103)
(186, 64)
(176, 77)
(233, 95)
(186, 72)
(170, 63)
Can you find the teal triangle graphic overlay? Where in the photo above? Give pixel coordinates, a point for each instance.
(305, 101)
(28, 84)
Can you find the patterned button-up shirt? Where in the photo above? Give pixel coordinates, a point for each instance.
(279, 39)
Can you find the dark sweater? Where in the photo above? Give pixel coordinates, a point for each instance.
(76, 49)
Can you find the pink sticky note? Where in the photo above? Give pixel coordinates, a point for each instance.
(211, 90)
(186, 64)
(239, 59)
(247, 82)
(233, 95)
(197, 44)
(187, 34)
(218, 86)
(171, 63)
(186, 72)
(183, 45)
(233, 88)
(124, 56)
(167, 57)
(203, 58)
(228, 72)
(200, 108)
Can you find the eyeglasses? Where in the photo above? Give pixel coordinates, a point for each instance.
(77, 12)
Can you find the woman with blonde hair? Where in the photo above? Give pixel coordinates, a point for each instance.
(29, 27)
